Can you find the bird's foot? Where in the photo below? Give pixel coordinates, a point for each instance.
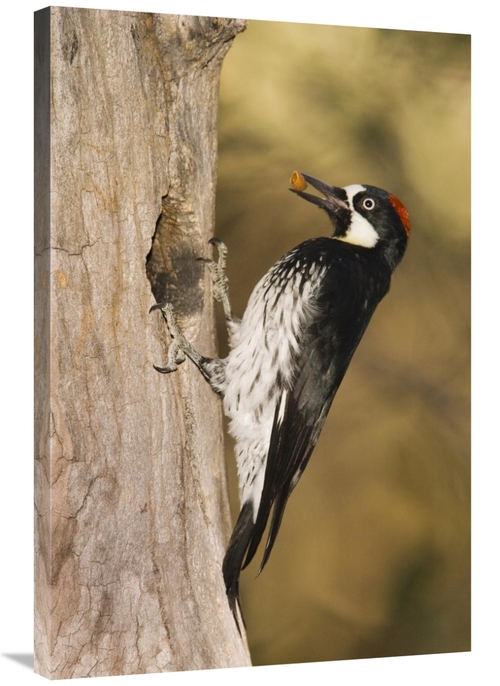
(219, 278)
(180, 346)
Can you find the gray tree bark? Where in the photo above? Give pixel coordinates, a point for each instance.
(132, 514)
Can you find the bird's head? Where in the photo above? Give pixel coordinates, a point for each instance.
(362, 215)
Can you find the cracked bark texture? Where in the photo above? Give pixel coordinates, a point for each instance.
(131, 505)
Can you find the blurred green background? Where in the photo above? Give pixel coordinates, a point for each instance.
(373, 558)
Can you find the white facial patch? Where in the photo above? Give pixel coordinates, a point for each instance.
(361, 232)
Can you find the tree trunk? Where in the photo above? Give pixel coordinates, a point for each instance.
(132, 514)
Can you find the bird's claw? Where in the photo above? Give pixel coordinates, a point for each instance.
(168, 370)
(218, 243)
(218, 272)
(176, 353)
(158, 306)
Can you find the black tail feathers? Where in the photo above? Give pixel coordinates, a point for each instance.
(233, 559)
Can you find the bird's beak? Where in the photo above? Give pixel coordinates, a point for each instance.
(334, 198)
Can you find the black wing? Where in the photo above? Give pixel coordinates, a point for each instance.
(299, 417)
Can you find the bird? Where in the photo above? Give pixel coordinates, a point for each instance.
(290, 351)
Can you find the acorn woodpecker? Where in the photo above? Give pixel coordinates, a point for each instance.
(290, 352)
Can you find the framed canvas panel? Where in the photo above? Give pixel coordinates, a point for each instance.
(153, 134)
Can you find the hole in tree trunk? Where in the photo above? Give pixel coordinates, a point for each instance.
(171, 266)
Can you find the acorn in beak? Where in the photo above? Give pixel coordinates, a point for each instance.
(334, 201)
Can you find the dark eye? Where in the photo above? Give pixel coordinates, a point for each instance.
(368, 203)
